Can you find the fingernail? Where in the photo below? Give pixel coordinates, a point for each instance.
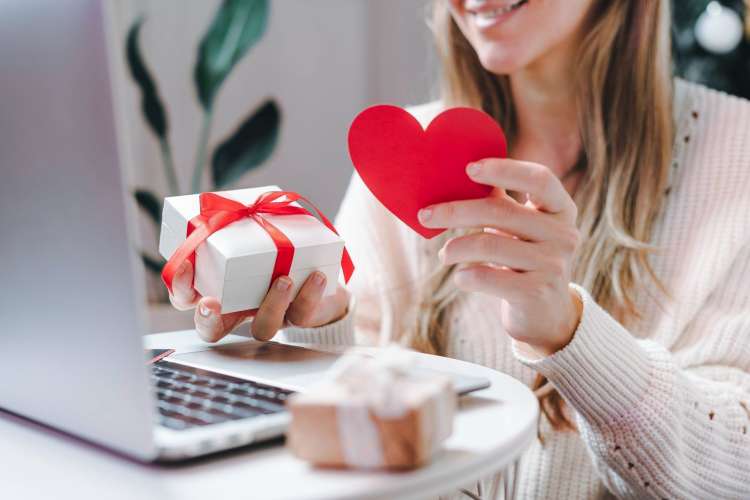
(441, 254)
(283, 284)
(473, 169)
(208, 325)
(425, 214)
(204, 311)
(319, 278)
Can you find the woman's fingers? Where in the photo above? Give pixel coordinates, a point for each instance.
(545, 190)
(498, 212)
(306, 310)
(491, 280)
(184, 296)
(490, 247)
(211, 325)
(270, 316)
(305, 305)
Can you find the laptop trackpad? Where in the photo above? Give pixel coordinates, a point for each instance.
(270, 362)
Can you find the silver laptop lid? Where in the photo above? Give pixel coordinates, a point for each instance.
(71, 352)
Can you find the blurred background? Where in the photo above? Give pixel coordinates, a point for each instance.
(216, 94)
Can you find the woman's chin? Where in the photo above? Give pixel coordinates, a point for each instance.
(501, 62)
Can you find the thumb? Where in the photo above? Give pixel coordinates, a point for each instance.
(183, 296)
(211, 325)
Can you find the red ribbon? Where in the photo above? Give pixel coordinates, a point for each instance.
(217, 212)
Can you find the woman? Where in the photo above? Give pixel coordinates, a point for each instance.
(609, 269)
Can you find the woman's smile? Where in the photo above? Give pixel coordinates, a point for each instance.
(487, 14)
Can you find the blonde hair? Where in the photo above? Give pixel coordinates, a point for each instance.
(624, 98)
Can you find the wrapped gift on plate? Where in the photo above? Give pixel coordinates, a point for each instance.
(373, 411)
(240, 241)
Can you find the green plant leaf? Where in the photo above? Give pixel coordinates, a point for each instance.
(151, 104)
(150, 204)
(249, 146)
(237, 25)
(152, 264)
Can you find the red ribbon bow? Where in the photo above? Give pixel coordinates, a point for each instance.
(217, 212)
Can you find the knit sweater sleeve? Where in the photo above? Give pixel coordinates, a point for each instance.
(656, 426)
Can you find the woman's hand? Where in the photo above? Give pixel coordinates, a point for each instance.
(524, 253)
(308, 309)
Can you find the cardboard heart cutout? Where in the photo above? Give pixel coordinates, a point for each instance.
(408, 168)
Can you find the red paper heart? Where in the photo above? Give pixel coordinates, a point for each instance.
(408, 168)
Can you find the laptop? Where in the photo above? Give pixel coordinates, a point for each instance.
(72, 311)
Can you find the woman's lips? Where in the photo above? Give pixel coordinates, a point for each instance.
(486, 14)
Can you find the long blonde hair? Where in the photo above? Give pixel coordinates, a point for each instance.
(624, 98)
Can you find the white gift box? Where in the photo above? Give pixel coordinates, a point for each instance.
(235, 264)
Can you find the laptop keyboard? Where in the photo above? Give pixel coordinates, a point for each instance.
(190, 397)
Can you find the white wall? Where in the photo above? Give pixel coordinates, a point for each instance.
(323, 60)
(400, 44)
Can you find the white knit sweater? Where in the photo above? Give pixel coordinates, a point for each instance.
(663, 407)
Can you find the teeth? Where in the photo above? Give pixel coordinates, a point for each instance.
(494, 13)
(490, 15)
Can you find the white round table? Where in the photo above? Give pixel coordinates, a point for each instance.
(493, 428)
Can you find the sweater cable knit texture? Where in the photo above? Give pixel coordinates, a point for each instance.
(661, 405)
